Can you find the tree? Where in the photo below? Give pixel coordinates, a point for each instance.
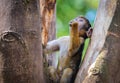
(21, 58)
(101, 63)
(48, 18)
(20, 42)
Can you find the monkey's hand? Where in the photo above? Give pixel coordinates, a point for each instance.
(51, 46)
(82, 40)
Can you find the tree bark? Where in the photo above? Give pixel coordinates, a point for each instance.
(20, 42)
(102, 62)
(48, 17)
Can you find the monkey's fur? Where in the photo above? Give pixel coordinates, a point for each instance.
(70, 48)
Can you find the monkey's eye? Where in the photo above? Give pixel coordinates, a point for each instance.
(81, 20)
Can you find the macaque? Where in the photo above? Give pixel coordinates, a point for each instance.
(70, 48)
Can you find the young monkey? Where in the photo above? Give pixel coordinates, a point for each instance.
(70, 48)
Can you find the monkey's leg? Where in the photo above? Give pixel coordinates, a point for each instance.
(67, 74)
(53, 74)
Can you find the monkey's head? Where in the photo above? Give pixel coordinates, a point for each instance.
(84, 26)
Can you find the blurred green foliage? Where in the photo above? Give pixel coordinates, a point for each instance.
(69, 9)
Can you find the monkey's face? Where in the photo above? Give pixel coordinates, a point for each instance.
(81, 22)
(83, 25)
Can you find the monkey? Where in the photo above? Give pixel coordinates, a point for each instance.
(70, 48)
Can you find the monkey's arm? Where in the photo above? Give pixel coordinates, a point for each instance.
(51, 46)
(75, 40)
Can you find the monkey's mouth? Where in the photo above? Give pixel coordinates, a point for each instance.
(70, 24)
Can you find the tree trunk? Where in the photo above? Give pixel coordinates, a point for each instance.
(102, 62)
(20, 42)
(48, 17)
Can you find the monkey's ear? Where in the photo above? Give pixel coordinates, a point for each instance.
(89, 32)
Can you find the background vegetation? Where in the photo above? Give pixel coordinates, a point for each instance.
(69, 9)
